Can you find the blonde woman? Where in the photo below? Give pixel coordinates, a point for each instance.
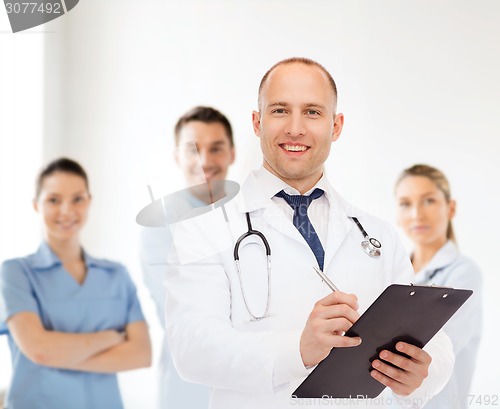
(425, 212)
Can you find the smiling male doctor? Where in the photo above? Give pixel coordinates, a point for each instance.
(252, 363)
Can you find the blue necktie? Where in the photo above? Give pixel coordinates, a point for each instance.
(301, 221)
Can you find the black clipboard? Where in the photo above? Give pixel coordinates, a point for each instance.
(408, 313)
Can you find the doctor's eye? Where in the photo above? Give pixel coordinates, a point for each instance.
(312, 112)
(278, 111)
(429, 200)
(53, 200)
(404, 204)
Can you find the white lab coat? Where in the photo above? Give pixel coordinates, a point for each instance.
(252, 364)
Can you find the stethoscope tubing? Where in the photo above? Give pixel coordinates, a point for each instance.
(248, 233)
(370, 246)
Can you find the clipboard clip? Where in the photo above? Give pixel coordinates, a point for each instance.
(433, 285)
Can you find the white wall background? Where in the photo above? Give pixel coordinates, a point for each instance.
(418, 82)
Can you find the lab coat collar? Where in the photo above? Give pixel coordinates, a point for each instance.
(443, 258)
(256, 194)
(45, 259)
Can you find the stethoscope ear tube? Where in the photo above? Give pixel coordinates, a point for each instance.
(250, 232)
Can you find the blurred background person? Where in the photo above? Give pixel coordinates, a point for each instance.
(3, 331)
(73, 320)
(204, 152)
(425, 213)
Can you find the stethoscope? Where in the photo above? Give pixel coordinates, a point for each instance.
(249, 233)
(370, 246)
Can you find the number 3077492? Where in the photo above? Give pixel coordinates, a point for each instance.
(31, 8)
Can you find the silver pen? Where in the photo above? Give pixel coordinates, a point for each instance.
(325, 278)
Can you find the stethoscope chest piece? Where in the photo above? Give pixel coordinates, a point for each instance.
(371, 247)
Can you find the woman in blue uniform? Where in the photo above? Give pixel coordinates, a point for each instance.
(73, 320)
(425, 212)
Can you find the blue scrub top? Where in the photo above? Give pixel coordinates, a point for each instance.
(106, 300)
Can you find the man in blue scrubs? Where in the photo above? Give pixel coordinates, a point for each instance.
(204, 152)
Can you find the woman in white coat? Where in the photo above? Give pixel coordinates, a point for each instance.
(425, 212)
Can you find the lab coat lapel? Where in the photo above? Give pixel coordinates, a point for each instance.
(274, 216)
(253, 200)
(339, 226)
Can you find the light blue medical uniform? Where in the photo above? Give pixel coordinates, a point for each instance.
(156, 242)
(448, 268)
(106, 300)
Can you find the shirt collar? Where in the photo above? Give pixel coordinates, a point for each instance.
(45, 259)
(271, 184)
(444, 257)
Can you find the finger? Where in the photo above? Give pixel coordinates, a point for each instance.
(396, 374)
(418, 354)
(340, 325)
(338, 341)
(338, 297)
(406, 364)
(335, 311)
(394, 385)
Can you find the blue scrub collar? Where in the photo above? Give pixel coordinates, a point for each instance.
(45, 259)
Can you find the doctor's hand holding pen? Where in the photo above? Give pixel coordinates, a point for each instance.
(331, 318)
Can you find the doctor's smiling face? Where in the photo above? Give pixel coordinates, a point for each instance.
(297, 122)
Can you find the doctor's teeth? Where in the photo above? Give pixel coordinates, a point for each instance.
(295, 148)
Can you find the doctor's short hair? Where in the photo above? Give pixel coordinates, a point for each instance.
(299, 60)
(63, 165)
(439, 179)
(204, 114)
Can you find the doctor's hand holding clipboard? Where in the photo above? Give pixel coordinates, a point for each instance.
(332, 317)
(244, 313)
